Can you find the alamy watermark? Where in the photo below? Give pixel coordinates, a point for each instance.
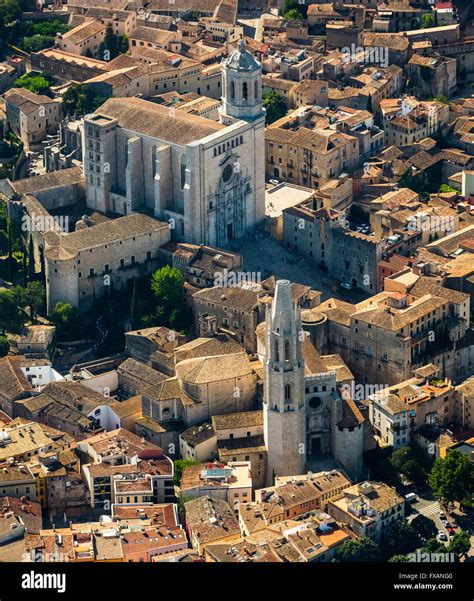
(360, 392)
(44, 223)
(421, 557)
(231, 279)
(372, 55)
(431, 223)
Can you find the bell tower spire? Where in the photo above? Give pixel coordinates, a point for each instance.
(284, 400)
(241, 86)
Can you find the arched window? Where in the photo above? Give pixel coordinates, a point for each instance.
(245, 91)
(287, 392)
(153, 160)
(287, 350)
(232, 90)
(183, 174)
(277, 354)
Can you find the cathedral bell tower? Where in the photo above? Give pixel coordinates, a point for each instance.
(241, 87)
(284, 389)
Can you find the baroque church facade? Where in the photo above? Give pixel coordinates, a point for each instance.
(206, 178)
(305, 415)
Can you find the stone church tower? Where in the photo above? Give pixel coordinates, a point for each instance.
(284, 389)
(241, 87)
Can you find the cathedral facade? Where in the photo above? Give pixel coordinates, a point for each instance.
(206, 178)
(305, 416)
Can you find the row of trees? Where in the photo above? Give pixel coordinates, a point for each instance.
(80, 99)
(401, 540)
(36, 83)
(38, 36)
(112, 45)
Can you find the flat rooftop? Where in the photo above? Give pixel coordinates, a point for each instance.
(283, 196)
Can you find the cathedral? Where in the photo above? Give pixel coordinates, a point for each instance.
(305, 416)
(204, 177)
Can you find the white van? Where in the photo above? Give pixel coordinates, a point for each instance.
(410, 497)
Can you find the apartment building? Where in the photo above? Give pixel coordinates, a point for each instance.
(84, 264)
(31, 117)
(83, 40)
(398, 412)
(406, 120)
(368, 508)
(384, 338)
(231, 482)
(291, 498)
(301, 153)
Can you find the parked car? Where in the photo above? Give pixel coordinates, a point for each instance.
(410, 497)
(442, 536)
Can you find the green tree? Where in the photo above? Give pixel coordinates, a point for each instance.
(179, 465)
(452, 478)
(4, 346)
(167, 286)
(401, 539)
(135, 309)
(11, 318)
(293, 5)
(113, 45)
(81, 99)
(360, 549)
(31, 260)
(123, 44)
(38, 84)
(66, 319)
(399, 457)
(293, 15)
(413, 470)
(445, 189)
(425, 528)
(433, 545)
(275, 106)
(3, 243)
(181, 318)
(427, 21)
(35, 298)
(37, 42)
(460, 544)
(398, 559)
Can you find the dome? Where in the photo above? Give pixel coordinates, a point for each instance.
(241, 59)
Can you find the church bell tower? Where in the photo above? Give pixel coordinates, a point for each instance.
(284, 389)
(241, 86)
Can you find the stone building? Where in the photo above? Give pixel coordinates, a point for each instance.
(66, 66)
(432, 75)
(239, 437)
(406, 120)
(369, 509)
(86, 264)
(31, 116)
(385, 337)
(464, 404)
(304, 413)
(185, 169)
(84, 39)
(307, 155)
(321, 235)
(398, 412)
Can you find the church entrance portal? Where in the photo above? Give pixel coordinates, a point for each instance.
(315, 445)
